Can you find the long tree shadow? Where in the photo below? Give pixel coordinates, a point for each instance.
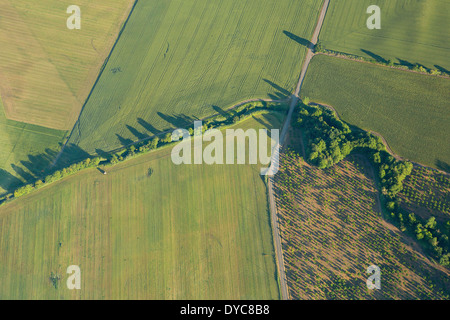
(139, 135)
(299, 40)
(178, 121)
(224, 113)
(220, 111)
(261, 122)
(281, 93)
(375, 56)
(21, 172)
(72, 154)
(124, 141)
(103, 154)
(8, 181)
(277, 96)
(444, 166)
(37, 166)
(405, 63)
(147, 126)
(442, 69)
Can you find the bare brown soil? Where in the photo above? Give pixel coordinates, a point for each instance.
(332, 231)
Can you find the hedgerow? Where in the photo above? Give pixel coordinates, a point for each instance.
(228, 118)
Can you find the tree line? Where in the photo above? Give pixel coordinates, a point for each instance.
(319, 48)
(225, 119)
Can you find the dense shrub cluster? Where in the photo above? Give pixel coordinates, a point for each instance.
(318, 48)
(328, 140)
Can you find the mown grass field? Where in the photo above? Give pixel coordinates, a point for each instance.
(415, 31)
(181, 59)
(333, 231)
(25, 149)
(47, 70)
(171, 234)
(409, 110)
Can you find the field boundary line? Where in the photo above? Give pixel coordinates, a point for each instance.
(33, 131)
(77, 123)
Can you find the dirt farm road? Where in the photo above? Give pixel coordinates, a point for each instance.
(272, 203)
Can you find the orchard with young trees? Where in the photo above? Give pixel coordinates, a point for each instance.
(332, 231)
(423, 208)
(328, 140)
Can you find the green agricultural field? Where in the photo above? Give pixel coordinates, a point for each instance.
(25, 150)
(148, 229)
(181, 59)
(409, 110)
(47, 70)
(412, 31)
